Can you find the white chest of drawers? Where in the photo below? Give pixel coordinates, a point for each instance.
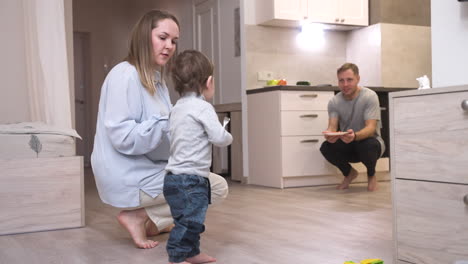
(285, 135)
(429, 160)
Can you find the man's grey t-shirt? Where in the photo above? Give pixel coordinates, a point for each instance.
(352, 114)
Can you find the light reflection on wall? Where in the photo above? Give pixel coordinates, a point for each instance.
(311, 36)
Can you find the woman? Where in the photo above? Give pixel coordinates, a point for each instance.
(131, 145)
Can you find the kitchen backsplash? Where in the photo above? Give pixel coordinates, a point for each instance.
(275, 49)
(391, 55)
(388, 55)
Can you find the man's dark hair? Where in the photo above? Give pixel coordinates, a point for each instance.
(348, 66)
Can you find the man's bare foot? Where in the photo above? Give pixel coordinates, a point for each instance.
(201, 258)
(372, 183)
(348, 179)
(152, 229)
(134, 221)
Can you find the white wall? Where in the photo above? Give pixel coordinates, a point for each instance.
(14, 93)
(249, 12)
(449, 22)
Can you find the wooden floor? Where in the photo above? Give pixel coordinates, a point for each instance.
(313, 225)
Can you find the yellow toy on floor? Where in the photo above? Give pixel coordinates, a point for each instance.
(367, 261)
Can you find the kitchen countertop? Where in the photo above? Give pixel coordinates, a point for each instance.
(318, 88)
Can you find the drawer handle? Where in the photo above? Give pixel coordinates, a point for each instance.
(308, 95)
(309, 141)
(465, 199)
(311, 116)
(464, 105)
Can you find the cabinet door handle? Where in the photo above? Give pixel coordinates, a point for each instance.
(464, 105)
(337, 20)
(311, 116)
(309, 141)
(342, 20)
(465, 199)
(308, 95)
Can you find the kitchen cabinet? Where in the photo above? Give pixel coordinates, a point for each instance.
(285, 125)
(343, 12)
(285, 136)
(290, 13)
(429, 142)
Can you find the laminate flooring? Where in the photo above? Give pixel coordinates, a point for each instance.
(310, 225)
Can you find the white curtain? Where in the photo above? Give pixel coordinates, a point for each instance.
(46, 62)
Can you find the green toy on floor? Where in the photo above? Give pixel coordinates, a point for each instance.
(367, 261)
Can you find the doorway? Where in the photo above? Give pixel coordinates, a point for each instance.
(206, 40)
(82, 65)
(206, 37)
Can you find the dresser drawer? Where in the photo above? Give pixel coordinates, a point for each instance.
(303, 123)
(430, 113)
(301, 157)
(431, 222)
(305, 100)
(431, 138)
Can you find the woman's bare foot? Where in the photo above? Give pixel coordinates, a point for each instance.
(372, 183)
(348, 179)
(134, 221)
(152, 229)
(201, 258)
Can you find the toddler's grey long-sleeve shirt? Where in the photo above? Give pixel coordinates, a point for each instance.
(194, 127)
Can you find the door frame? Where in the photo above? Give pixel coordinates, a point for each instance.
(86, 68)
(216, 45)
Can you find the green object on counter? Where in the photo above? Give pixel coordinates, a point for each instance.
(303, 83)
(272, 82)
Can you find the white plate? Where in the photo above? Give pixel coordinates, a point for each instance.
(335, 133)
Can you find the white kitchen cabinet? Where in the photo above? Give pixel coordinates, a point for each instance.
(290, 13)
(342, 12)
(429, 161)
(285, 135)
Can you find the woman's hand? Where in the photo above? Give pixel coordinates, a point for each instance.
(349, 137)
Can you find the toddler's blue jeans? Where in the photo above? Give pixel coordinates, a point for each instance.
(188, 197)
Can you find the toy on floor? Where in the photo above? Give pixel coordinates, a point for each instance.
(366, 261)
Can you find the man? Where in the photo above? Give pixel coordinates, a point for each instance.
(354, 110)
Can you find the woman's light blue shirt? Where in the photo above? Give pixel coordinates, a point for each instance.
(131, 145)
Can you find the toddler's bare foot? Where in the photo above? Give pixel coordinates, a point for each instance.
(134, 221)
(372, 183)
(348, 179)
(152, 229)
(201, 258)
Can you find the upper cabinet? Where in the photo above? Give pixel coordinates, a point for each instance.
(290, 13)
(345, 12)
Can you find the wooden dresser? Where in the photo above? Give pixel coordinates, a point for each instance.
(429, 161)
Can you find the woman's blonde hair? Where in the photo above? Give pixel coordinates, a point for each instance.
(140, 53)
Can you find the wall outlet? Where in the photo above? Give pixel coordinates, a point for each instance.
(264, 75)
